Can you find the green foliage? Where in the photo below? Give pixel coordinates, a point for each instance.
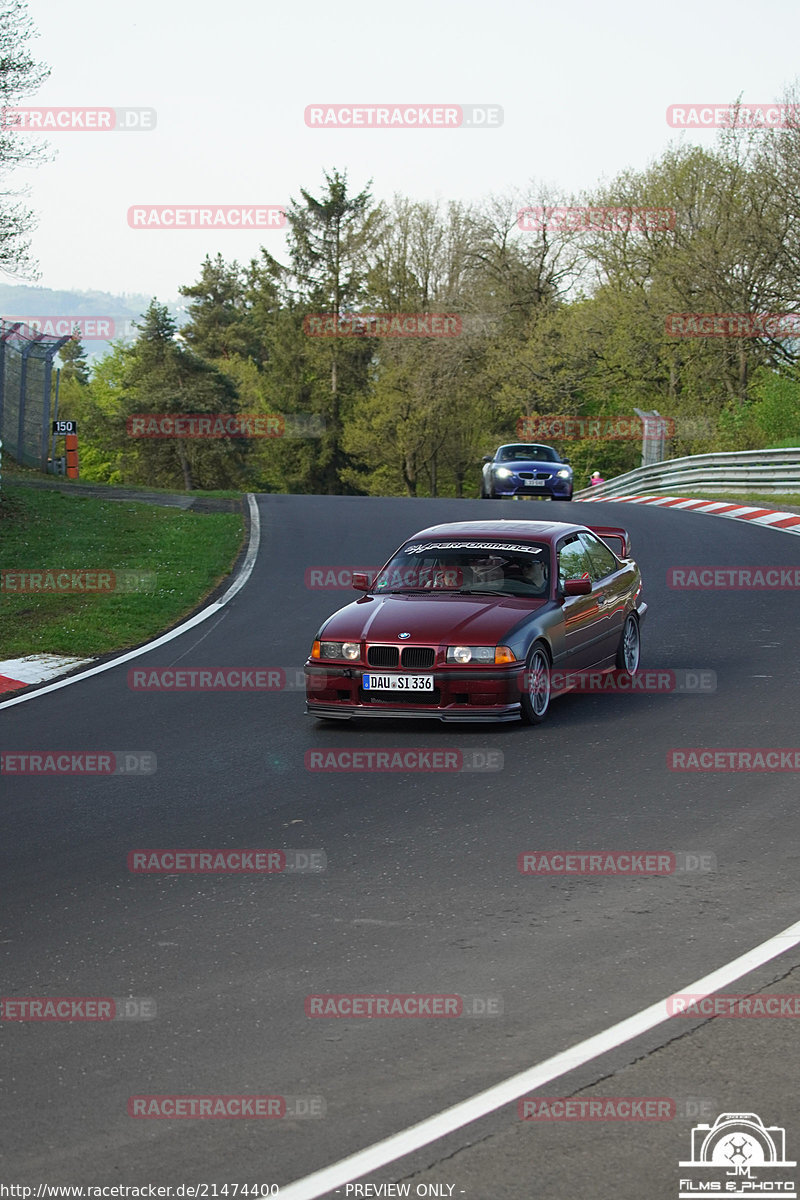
(554, 321)
(73, 359)
(20, 77)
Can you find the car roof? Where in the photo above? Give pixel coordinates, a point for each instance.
(542, 531)
(526, 446)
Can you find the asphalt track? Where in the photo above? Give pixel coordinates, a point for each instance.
(421, 892)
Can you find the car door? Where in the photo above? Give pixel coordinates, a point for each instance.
(610, 585)
(584, 620)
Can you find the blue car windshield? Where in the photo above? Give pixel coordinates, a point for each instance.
(468, 568)
(527, 454)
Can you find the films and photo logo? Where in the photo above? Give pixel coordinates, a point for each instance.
(739, 1156)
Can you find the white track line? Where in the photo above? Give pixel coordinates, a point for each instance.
(238, 583)
(433, 1128)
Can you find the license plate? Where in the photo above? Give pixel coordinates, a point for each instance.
(535, 482)
(398, 683)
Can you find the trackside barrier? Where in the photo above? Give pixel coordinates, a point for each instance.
(26, 363)
(738, 471)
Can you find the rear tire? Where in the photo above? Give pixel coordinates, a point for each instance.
(630, 646)
(536, 694)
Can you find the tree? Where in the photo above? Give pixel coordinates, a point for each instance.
(330, 240)
(73, 358)
(213, 328)
(20, 77)
(161, 376)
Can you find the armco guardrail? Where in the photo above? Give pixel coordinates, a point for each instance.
(740, 471)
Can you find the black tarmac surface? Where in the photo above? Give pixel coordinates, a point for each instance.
(421, 891)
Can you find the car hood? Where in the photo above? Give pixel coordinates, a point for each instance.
(531, 465)
(430, 619)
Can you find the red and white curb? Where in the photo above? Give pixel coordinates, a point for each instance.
(16, 673)
(771, 517)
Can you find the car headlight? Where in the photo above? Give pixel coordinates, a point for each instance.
(503, 473)
(564, 474)
(479, 654)
(347, 650)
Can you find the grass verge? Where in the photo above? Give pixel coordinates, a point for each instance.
(189, 554)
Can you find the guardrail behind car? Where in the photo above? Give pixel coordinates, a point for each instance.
(738, 471)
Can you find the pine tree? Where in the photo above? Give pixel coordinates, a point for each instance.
(73, 358)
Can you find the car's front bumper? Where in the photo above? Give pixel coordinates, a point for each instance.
(459, 695)
(556, 489)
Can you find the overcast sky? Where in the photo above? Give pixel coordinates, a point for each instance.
(584, 87)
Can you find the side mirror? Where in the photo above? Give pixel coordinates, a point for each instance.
(566, 460)
(578, 587)
(486, 458)
(362, 583)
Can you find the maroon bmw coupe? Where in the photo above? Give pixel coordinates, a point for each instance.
(469, 622)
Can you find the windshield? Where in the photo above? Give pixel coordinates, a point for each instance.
(527, 454)
(511, 569)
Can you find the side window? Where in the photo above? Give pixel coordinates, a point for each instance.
(602, 560)
(572, 560)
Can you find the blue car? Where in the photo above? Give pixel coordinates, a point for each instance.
(521, 469)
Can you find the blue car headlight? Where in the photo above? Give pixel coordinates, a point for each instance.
(503, 473)
(565, 474)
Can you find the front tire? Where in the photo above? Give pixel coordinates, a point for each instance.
(630, 645)
(536, 695)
